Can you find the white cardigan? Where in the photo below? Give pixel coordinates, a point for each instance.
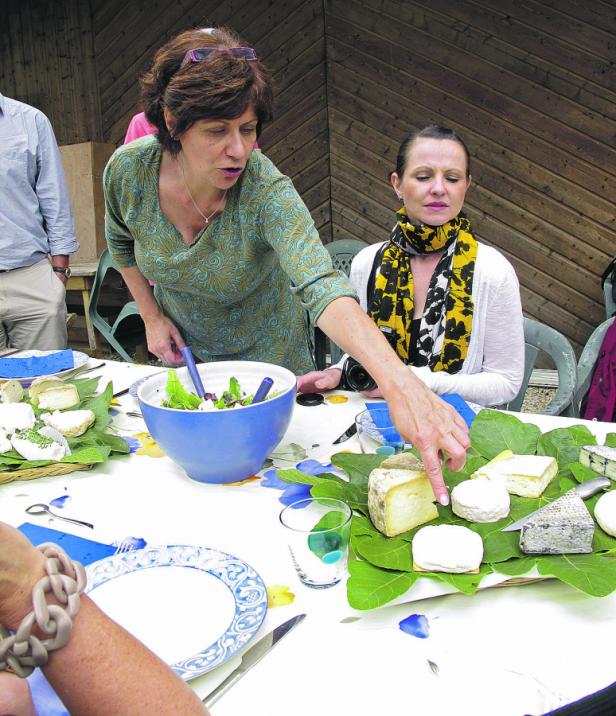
(494, 365)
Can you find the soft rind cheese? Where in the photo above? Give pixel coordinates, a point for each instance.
(600, 458)
(561, 527)
(59, 398)
(605, 512)
(16, 416)
(71, 423)
(399, 500)
(480, 500)
(523, 475)
(447, 548)
(30, 449)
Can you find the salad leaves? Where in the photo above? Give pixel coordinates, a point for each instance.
(181, 399)
(381, 568)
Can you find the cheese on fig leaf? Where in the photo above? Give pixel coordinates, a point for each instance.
(31, 445)
(561, 527)
(605, 512)
(5, 443)
(70, 423)
(523, 475)
(11, 391)
(16, 416)
(480, 500)
(399, 500)
(447, 548)
(600, 458)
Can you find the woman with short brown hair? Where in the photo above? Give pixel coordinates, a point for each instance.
(232, 250)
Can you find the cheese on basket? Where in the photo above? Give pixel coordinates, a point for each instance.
(400, 495)
(605, 512)
(523, 475)
(447, 548)
(480, 500)
(600, 458)
(561, 527)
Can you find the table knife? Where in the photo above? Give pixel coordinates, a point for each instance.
(348, 433)
(252, 656)
(583, 490)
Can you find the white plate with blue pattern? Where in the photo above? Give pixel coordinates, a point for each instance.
(194, 607)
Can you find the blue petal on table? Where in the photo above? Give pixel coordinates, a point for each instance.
(416, 625)
(60, 502)
(133, 443)
(293, 493)
(270, 479)
(313, 467)
(36, 365)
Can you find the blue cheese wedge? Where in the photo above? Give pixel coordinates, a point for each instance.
(562, 527)
(523, 475)
(600, 458)
(398, 498)
(447, 548)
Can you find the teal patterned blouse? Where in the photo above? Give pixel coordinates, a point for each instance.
(241, 291)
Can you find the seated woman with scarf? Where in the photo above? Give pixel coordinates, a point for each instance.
(448, 304)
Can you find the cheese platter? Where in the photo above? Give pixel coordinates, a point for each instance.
(381, 565)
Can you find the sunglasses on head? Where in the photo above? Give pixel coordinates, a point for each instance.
(198, 54)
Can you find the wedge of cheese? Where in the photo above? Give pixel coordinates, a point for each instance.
(561, 527)
(523, 475)
(600, 458)
(400, 499)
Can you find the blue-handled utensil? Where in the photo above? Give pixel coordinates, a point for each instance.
(263, 390)
(193, 372)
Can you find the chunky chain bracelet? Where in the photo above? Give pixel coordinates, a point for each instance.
(22, 651)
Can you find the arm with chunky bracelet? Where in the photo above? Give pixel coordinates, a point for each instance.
(22, 651)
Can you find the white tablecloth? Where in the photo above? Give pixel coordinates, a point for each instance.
(517, 650)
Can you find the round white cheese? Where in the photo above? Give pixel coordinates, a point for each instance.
(605, 512)
(16, 416)
(480, 500)
(447, 548)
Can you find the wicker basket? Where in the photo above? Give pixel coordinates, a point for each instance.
(59, 468)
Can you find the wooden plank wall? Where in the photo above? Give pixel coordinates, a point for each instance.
(47, 60)
(530, 85)
(290, 38)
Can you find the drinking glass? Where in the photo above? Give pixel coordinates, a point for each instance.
(317, 531)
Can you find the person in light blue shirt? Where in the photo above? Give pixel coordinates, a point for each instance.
(37, 233)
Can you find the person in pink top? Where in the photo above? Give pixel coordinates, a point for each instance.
(138, 127)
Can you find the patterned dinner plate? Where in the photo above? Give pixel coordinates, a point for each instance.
(194, 607)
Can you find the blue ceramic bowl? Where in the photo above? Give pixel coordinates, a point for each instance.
(220, 445)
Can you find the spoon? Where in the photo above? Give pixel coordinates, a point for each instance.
(262, 390)
(42, 509)
(193, 372)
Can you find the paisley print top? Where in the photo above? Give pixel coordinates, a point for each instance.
(242, 289)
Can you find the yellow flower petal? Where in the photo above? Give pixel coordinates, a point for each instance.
(252, 478)
(149, 446)
(336, 399)
(278, 595)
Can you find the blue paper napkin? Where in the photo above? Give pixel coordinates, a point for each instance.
(86, 551)
(36, 365)
(379, 412)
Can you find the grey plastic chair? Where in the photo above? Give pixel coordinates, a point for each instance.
(610, 306)
(539, 337)
(588, 360)
(129, 309)
(342, 252)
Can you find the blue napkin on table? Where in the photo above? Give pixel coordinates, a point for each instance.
(86, 551)
(36, 365)
(379, 412)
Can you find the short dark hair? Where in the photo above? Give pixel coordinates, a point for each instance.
(219, 87)
(432, 131)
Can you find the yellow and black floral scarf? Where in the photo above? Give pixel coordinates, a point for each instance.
(446, 324)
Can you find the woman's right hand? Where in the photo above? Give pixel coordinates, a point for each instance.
(164, 340)
(318, 380)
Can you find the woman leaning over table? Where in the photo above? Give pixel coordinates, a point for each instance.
(230, 247)
(449, 303)
(102, 669)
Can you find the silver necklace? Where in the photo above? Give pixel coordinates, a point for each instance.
(205, 218)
